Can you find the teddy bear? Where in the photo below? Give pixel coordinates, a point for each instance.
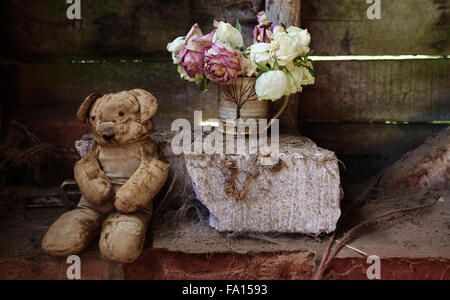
(118, 178)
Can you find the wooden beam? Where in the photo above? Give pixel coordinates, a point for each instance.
(406, 27)
(286, 12)
(413, 91)
(38, 31)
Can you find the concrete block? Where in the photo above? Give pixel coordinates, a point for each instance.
(301, 193)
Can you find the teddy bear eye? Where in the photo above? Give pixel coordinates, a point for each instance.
(121, 113)
(93, 118)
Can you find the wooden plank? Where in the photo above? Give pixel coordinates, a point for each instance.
(40, 85)
(366, 149)
(406, 27)
(286, 12)
(378, 91)
(40, 30)
(400, 91)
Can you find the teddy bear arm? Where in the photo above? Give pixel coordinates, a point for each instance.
(150, 150)
(91, 180)
(143, 185)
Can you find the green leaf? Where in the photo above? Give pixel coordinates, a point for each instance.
(238, 25)
(311, 71)
(262, 67)
(276, 66)
(204, 84)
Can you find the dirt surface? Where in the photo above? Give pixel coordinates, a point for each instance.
(413, 245)
(23, 238)
(423, 233)
(418, 234)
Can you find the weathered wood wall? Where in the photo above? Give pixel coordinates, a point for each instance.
(40, 31)
(406, 27)
(50, 64)
(116, 45)
(354, 106)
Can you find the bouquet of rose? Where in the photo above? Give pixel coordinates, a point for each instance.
(278, 58)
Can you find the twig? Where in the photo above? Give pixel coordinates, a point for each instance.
(32, 137)
(342, 242)
(30, 152)
(355, 249)
(321, 268)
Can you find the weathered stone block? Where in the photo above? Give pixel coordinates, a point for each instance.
(301, 193)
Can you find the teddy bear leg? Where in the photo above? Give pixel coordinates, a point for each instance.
(123, 235)
(72, 232)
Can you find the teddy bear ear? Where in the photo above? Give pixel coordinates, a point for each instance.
(148, 104)
(83, 111)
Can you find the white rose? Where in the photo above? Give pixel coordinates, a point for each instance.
(260, 53)
(175, 47)
(225, 32)
(271, 85)
(249, 66)
(295, 77)
(278, 29)
(302, 37)
(285, 48)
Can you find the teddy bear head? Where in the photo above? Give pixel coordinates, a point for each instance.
(119, 118)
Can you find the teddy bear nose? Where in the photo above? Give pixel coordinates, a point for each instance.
(107, 128)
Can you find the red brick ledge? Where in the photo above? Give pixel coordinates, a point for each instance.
(162, 264)
(166, 265)
(391, 269)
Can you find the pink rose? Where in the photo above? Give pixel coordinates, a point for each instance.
(222, 63)
(261, 16)
(192, 55)
(262, 33)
